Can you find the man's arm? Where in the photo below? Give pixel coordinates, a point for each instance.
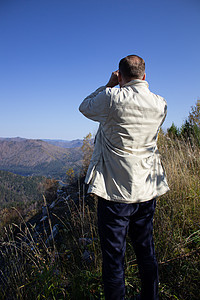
(96, 105)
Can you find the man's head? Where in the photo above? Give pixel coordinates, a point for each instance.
(131, 67)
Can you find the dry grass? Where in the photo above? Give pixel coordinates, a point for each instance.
(177, 221)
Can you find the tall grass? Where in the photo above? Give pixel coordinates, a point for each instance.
(29, 267)
(178, 212)
(177, 221)
(71, 267)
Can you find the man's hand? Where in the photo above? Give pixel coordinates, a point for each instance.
(113, 81)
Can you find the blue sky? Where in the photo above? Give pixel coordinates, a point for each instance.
(53, 53)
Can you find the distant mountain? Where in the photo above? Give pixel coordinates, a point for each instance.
(65, 144)
(37, 157)
(60, 143)
(15, 139)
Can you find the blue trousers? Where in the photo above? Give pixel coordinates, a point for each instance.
(115, 221)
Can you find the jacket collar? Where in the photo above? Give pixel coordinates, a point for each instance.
(137, 82)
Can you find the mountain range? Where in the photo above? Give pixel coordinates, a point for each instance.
(50, 158)
(65, 144)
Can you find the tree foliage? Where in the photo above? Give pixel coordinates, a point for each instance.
(87, 149)
(70, 175)
(190, 130)
(173, 131)
(194, 115)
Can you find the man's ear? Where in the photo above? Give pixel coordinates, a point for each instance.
(144, 77)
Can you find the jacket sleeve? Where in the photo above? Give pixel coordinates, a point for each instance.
(96, 105)
(165, 112)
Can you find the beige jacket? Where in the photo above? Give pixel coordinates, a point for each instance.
(125, 165)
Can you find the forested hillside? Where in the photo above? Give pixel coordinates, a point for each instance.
(19, 190)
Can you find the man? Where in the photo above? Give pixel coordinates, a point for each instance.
(126, 174)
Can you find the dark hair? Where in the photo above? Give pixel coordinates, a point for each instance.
(132, 67)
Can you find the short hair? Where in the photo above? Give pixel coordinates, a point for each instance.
(132, 67)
